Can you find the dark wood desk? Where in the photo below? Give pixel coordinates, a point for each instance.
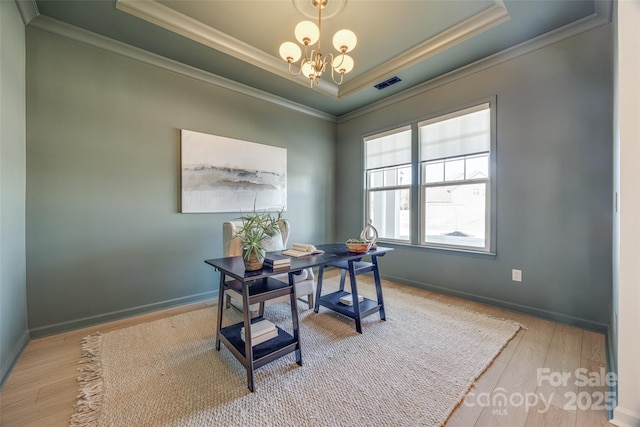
(259, 286)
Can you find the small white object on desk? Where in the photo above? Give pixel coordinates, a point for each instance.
(301, 249)
(348, 299)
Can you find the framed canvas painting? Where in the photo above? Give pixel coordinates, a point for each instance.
(222, 174)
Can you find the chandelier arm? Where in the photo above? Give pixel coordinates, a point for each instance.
(294, 73)
(312, 58)
(329, 61)
(306, 54)
(334, 79)
(341, 56)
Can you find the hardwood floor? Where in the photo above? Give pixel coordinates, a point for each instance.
(42, 389)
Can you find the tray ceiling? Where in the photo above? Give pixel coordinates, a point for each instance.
(239, 40)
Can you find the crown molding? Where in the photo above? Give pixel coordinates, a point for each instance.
(172, 20)
(72, 32)
(604, 9)
(28, 10)
(30, 13)
(476, 24)
(583, 25)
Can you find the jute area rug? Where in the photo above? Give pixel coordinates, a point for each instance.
(412, 370)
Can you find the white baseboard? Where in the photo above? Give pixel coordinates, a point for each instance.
(624, 417)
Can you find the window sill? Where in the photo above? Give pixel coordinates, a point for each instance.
(441, 249)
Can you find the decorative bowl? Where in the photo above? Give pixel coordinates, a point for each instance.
(358, 247)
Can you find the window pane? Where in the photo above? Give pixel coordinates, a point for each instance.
(478, 167)
(390, 212)
(454, 170)
(433, 172)
(388, 150)
(456, 215)
(376, 179)
(464, 132)
(390, 177)
(404, 176)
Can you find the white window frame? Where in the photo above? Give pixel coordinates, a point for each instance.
(424, 187)
(418, 188)
(463, 155)
(370, 190)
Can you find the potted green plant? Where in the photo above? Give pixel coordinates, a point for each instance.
(257, 229)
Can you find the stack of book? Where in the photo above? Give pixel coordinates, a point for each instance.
(348, 299)
(260, 332)
(277, 262)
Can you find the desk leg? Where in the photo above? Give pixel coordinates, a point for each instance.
(294, 319)
(376, 277)
(248, 349)
(354, 296)
(343, 273)
(318, 288)
(220, 304)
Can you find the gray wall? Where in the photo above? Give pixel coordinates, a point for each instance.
(554, 183)
(13, 304)
(104, 234)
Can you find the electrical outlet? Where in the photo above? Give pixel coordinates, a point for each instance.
(516, 275)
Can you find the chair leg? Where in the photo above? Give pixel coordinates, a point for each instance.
(310, 300)
(343, 274)
(227, 301)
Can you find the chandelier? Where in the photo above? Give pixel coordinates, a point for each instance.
(313, 64)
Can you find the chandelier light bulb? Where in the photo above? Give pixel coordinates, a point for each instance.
(290, 52)
(307, 70)
(343, 64)
(345, 39)
(307, 33)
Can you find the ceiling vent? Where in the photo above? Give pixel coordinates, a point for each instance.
(393, 80)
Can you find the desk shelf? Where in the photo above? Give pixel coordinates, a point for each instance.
(262, 289)
(263, 353)
(332, 301)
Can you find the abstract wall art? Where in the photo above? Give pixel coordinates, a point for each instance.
(222, 174)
